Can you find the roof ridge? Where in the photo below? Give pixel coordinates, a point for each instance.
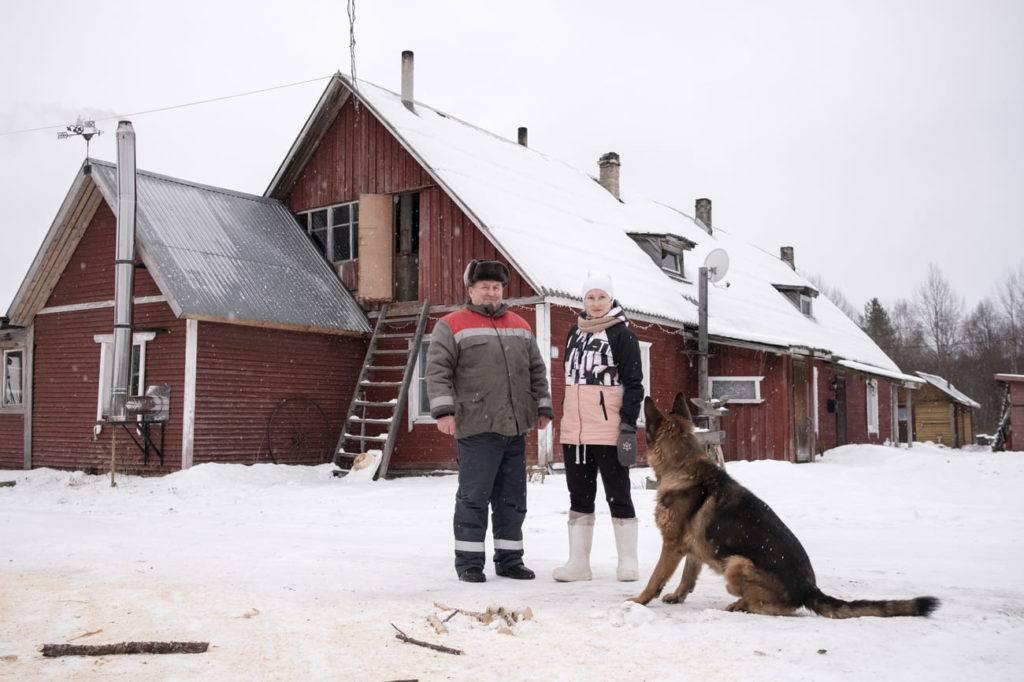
(189, 183)
(348, 82)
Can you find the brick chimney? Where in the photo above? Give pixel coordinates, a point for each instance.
(522, 137)
(703, 213)
(786, 254)
(407, 96)
(609, 175)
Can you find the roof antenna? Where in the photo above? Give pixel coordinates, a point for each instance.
(86, 129)
(352, 40)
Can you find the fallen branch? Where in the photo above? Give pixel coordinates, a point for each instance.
(53, 650)
(436, 647)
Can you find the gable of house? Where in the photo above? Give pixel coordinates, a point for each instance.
(553, 223)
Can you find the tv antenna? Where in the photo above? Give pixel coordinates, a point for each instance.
(84, 129)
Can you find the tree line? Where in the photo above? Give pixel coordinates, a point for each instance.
(933, 331)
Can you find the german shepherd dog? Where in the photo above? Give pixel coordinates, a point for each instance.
(708, 518)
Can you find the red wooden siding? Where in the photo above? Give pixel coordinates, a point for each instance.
(67, 363)
(245, 373)
(757, 430)
(856, 410)
(1016, 443)
(359, 156)
(89, 276)
(12, 441)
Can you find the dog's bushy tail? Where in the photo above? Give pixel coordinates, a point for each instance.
(830, 607)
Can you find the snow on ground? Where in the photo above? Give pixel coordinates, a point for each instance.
(292, 574)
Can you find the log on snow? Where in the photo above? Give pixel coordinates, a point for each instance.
(53, 650)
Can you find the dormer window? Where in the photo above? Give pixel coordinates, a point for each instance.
(666, 250)
(672, 261)
(802, 298)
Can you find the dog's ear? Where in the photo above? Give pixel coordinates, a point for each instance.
(652, 417)
(679, 407)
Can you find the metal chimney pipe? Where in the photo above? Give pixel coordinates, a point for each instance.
(407, 80)
(522, 136)
(124, 273)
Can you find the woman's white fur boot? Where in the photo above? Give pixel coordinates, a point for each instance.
(625, 542)
(581, 538)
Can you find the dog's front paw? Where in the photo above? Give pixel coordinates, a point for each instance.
(673, 598)
(639, 599)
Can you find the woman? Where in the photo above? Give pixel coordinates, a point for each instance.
(603, 393)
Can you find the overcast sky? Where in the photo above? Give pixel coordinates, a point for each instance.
(873, 136)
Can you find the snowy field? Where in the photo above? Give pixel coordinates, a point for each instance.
(292, 574)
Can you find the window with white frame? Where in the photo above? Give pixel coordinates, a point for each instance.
(802, 298)
(137, 380)
(672, 260)
(871, 391)
(12, 388)
(645, 363)
(334, 229)
(736, 389)
(419, 401)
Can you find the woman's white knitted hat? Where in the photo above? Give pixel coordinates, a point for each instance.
(598, 280)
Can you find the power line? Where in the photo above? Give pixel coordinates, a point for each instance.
(173, 106)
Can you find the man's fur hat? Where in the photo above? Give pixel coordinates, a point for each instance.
(490, 270)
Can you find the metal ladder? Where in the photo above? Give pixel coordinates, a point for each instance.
(377, 403)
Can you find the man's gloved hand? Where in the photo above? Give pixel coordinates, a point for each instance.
(626, 445)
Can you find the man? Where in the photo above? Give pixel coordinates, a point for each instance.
(488, 387)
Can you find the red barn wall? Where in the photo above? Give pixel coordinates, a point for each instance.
(359, 156)
(67, 364)
(762, 430)
(245, 373)
(1016, 441)
(12, 440)
(89, 275)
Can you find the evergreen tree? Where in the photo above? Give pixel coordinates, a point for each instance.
(876, 323)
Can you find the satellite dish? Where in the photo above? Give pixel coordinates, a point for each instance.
(717, 263)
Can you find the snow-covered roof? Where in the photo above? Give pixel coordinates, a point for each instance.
(555, 223)
(948, 388)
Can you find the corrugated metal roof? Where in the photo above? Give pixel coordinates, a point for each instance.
(949, 389)
(222, 254)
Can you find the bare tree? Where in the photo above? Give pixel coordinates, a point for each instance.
(909, 346)
(941, 311)
(835, 295)
(1010, 292)
(982, 354)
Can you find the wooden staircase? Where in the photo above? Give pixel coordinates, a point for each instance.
(375, 413)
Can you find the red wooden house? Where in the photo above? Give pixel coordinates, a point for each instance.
(398, 197)
(235, 310)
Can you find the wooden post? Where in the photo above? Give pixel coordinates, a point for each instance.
(910, 423)
(113, 454)
(702, 336)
